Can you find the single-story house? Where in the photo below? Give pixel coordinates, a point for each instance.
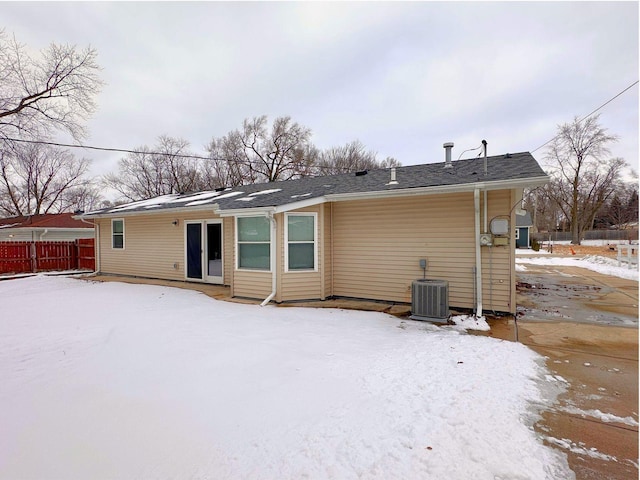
(523, 230)
(360, 235)
(45, 227)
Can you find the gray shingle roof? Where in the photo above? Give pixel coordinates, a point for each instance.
(515, 166)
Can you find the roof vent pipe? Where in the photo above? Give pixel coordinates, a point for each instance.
(484, 144)
(447, 154)
(393, 180)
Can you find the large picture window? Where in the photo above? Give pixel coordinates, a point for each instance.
(117, 233)
(254, 243)
(301, 241)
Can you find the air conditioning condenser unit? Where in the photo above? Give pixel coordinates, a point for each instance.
(430, 300)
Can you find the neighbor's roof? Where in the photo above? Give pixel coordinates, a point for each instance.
(514, 170)
(45, 220)
(524, 220)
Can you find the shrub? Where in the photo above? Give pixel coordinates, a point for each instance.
(535, 245)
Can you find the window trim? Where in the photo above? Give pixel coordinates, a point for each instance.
(113, 247)
(238, 243)
(315, 242)
(518, 233)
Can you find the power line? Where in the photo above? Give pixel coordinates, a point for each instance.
(124, 150)
(588, 115)
(107, 149)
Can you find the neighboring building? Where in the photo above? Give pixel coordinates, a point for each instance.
(44, 227)
(356, 235)
(523, 230)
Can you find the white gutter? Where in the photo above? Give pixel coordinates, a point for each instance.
(476, 204)
(468, 187)
(239, 212)
(150, 211)
(46, 230)
(273, 260)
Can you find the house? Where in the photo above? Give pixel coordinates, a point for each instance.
(360, 235)
(523, 229)
(44, 227)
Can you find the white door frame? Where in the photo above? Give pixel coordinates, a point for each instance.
(204, 254)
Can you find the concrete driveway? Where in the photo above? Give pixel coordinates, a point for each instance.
(586, 324)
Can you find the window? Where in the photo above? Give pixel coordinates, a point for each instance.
(301, 241)
(117, 233)
(254, 243)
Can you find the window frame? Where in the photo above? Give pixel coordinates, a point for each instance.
(113, 234)
(238, 242)
(287, 242)
(517, 235)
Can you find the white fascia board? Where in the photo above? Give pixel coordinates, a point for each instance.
(301, 204)
(150, 211)
(246, 212)
(251, 212)
(467, 187)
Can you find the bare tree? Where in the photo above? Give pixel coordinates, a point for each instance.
(166, 168)
(52, 91)
(351, 157)
(229, 166)
(263, 154)
(83, 198)
(35, 178)
(621, 209)
(582, 177)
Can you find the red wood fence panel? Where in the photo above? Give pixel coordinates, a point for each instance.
(15, 257)
(86, 254)
(56, 256)
(28, 257)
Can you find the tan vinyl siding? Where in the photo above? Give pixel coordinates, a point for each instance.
(327, 253)
(300, 285)
(378, 245)
(248, 283)
(251, 284)
(290, 286)
(154, 247)
(496, 260)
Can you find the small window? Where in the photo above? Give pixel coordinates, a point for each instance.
(117, 233)
(301, 241)
(254, 243)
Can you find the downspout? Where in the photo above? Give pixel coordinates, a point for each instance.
(273, 260)
(476, 204)
(46, 230)
(484, 144)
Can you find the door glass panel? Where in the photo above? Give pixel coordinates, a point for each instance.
(194, 250)
(214, 250)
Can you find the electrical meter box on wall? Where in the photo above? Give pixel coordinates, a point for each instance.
(485, 239)
(500, 226)
(499, 241)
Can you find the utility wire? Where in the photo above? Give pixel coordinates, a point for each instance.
(124, 150)
(588, 115)
(106, 149)
(199, 157)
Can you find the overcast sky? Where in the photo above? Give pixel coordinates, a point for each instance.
(403, 78)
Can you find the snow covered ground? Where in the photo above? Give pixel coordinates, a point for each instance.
(109, 380)
(596, 263)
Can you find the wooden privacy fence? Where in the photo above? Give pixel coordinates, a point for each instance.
(30, 257)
